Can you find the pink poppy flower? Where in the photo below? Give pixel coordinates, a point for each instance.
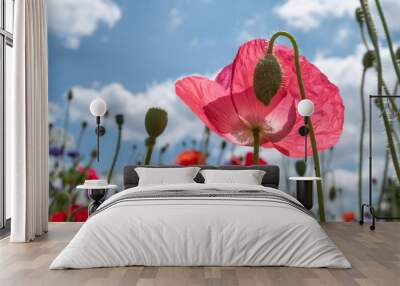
(234, 115)
(229, 107)
(91, 173)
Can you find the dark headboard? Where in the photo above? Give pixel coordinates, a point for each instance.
(271, 177)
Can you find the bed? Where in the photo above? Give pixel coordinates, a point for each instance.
(198, 224)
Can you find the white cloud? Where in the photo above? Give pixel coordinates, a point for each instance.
(308, 14)
(175, 18)
(391, 9)
(54, 112)
(72, 20)
(134, 105)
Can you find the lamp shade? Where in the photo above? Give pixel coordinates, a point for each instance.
(305, 107)
(98, 107)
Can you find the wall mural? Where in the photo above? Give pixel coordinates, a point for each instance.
(212, 82)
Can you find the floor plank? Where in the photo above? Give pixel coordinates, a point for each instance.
(375, 257)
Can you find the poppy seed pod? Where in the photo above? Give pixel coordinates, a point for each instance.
(267, 78)
(300, 167)
(368, 59)
(156, 121)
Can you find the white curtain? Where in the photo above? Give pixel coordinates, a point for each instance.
(27, 133)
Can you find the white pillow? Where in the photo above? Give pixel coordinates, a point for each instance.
(166, 176)
(248, 177)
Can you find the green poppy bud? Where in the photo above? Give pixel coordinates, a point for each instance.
(368, 59)
(223, 145)
(301, 167)
(332, 193)
(267, 78)
(93, 154)
(70, 95)
(359, 15)
(164, 148)
(119, 119)
(156, 121)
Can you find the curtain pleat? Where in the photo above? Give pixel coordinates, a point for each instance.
(29, 162)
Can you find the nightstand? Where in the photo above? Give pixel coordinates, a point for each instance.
(304, 190)
(96, 194)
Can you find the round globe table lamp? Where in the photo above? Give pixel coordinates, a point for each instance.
(304, 185)
(98, 107)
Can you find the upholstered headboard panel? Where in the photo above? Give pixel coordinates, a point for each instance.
(271, 177)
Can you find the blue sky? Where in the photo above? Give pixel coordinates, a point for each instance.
(131, 52)
(151, 43)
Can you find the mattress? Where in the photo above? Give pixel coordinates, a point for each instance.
(201, 225)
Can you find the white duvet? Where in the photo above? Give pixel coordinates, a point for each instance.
(200, 231)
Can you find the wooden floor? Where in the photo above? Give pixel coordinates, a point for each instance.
(375, 257)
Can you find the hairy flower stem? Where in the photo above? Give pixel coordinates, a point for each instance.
(387, 124)
(310, 125)
(388, 39)
(361, 143)
(66, 124)
(79, 142)
(150, 146)
(116, 153)
(256, 145)
(396, 87)
(363, 38)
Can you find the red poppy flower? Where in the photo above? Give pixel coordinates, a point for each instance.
(250, 160)
(229, 107)
(348, 216)
(79, 213)
(91, 173)
(58, 216)
(235, 160)
(190, 158)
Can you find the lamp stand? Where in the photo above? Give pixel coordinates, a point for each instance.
(100, 131)
(303, 131)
